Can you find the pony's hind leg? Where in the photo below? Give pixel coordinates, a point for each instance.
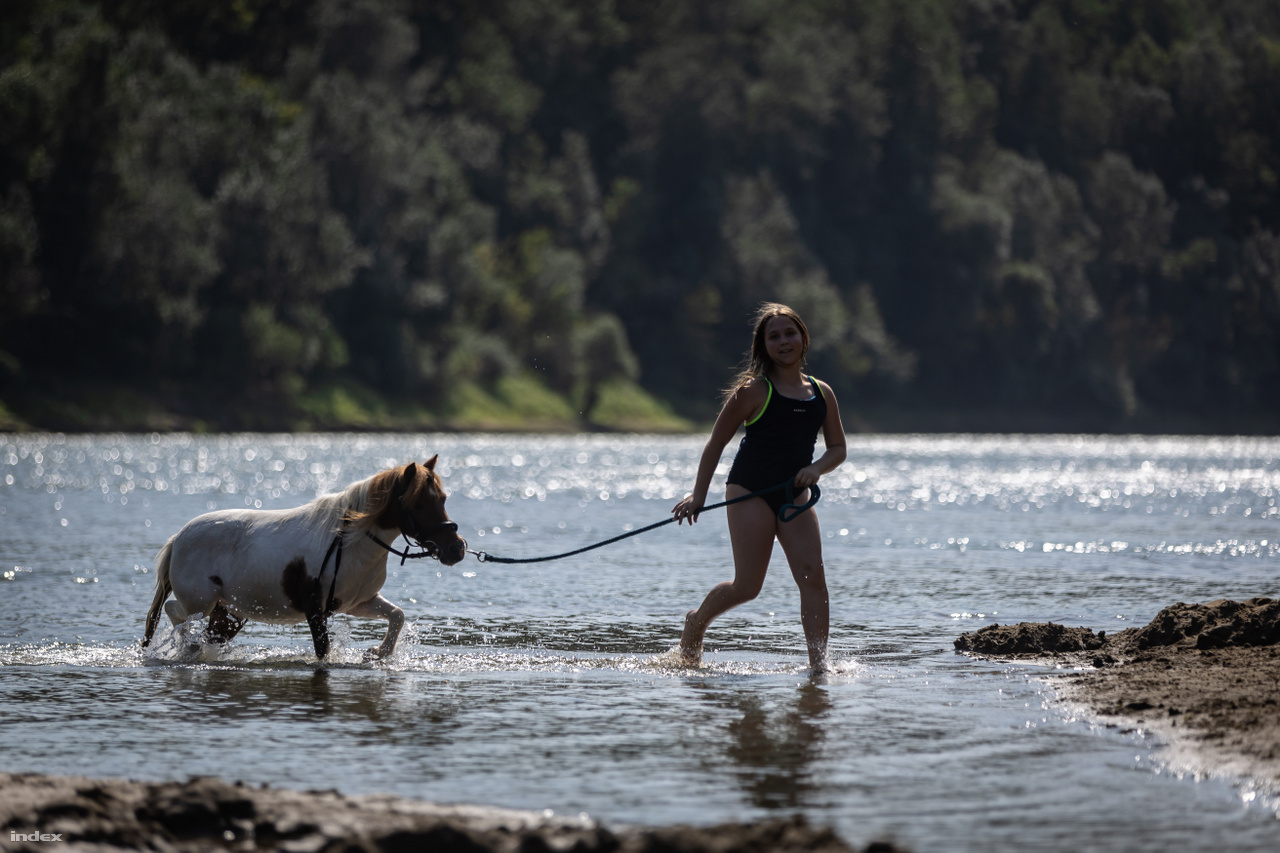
(177, 615)
(223, 625)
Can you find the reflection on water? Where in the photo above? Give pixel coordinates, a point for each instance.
(554, 686)
(238, 696)
(772, 749)
(306, 696)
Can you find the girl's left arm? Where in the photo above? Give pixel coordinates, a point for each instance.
(832, 436)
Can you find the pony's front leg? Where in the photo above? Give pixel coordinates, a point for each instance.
(379, 608)
(319, 625)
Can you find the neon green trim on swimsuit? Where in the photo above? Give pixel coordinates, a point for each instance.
(817, 393)
(766, 402)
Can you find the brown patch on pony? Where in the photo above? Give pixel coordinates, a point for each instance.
(306, 596)
(303, 592)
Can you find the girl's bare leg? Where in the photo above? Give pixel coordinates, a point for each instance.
(751, 531)
(801, 541)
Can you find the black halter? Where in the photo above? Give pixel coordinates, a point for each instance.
(413, 537)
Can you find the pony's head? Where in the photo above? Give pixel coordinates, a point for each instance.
(411, 499)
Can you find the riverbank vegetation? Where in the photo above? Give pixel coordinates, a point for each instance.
(507, 214)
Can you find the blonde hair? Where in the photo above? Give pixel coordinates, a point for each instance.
(757, 363)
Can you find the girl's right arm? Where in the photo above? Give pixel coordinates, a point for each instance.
(738, 409)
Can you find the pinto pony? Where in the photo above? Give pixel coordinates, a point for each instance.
(305, 564)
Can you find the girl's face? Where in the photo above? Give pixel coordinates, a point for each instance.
(783, 341)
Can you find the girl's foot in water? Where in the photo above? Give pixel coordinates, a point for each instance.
(818, 660)
(691, 640)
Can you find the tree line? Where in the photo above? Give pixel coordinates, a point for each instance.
(992, 213)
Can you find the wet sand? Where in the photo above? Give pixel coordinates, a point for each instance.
(1204, 678)
(207, 814)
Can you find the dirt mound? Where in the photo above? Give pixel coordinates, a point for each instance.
(1029, 638)
(207, 814)
(1216, 625)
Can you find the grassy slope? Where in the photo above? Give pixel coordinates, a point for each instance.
(514, 404)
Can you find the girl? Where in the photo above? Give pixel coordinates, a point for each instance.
(783, 409)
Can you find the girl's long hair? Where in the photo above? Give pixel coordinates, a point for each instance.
(756, 363)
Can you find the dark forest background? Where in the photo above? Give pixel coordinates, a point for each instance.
(994, 214)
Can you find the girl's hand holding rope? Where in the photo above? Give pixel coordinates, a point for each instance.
(688, 508)
(806, 477)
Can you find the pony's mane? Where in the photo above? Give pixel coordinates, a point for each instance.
(369, 499)
(324, 514)
(359, 506)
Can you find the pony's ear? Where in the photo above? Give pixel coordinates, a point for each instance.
(431, 463)
(407, 477)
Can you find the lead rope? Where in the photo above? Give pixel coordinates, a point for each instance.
(815, 494)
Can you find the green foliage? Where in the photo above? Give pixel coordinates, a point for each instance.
(10, 422)
(517, 402)
(380, 213)
(624, 406)
(342, 406)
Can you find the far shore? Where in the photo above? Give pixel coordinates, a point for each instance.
(89, 408)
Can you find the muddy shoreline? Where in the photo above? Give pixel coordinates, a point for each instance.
(205, 814)
(1203, 678)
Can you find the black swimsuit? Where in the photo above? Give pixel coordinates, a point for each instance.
(778, 443)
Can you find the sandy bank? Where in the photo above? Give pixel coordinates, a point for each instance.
(1203, 677)
(207, 814)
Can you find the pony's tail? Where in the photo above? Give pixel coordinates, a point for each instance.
(163, 588)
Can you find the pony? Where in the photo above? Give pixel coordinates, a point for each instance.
(307, 563)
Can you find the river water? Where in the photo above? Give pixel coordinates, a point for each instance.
(552, 685)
